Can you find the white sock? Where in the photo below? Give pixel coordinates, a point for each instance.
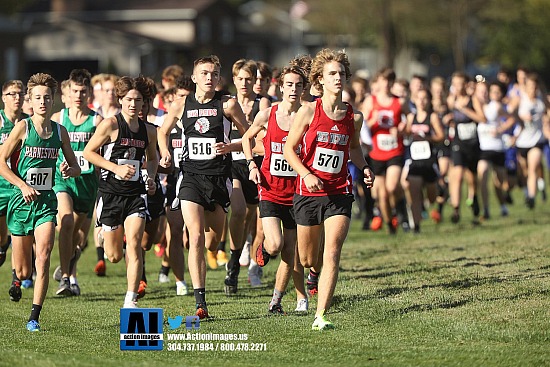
(72, 280)
(130, 297)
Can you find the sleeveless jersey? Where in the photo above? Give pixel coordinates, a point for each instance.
(384, 144)
(235, 135)
(325, 152)
(278, 179)
(128, 148)
(79, 137)
(204, 125)
(421, 150)
(36, 162)
(486, 132)
(6, 126)
(465, 127)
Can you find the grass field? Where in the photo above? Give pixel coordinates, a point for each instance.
(455, 295)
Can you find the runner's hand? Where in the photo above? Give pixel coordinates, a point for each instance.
(313, 183)
(369, 177)
(125, 171)
(166, 161)
(29, 193)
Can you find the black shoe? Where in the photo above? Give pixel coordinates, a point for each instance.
(64, 288)
(475, 207)
(312, 284)
(75, 289)
(276, 309)
(455, 218)
(262, 256)
(231, 284)
(15, 291)
(530, 203)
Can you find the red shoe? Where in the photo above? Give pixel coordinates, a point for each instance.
(262, 257)
(159, 249)
(141, 289)
(100, 268)
(202, 311)
(376, 223)
(436, 217)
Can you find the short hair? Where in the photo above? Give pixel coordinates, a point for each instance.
(98, 78)
(264, 69)
(42, 79)
(109, 78)
(64, 84)
(12, 83)
(152, 89)
(126, 84)
(292, 69)
(172, 72)
(80, 77)
(304, 62)
(534, 77)
(185, 82)
(462, 75)
(211, 59)
(324, 57)
(249, 66)
(386, 73)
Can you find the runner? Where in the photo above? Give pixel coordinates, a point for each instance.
(329, 133)
(75, 196)
(421, 169)
(32, 207)
(206, 165)
(12, 96)
(121, 210)
(276, 186)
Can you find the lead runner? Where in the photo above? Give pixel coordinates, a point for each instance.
(328, 130)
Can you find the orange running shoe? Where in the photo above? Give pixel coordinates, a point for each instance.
(100, 268)
(212, 259)
(202, 311)
(436, 217)
(141, 289)
(376, 223)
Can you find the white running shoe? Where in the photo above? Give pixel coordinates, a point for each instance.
(57, 274)
(244, 260)
(302, 305)
(181, 289)
(254, 275)
(132, 304)
(163, 278)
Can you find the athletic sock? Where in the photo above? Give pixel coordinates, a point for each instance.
(276, 299)
(221, 246)
(35, 312)
(130, 297)
(164, 269)
(100, 253)
(200, 295)
(234, 259)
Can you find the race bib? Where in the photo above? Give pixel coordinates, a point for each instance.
(466, 131)
(178, 156)
(82, 162)
(132, 162)
(386, 142)
(40, 178)
(237, 156)
(280, 167)
(201, 149)
(328, 160)
(420, 150)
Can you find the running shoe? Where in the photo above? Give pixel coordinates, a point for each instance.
(131, 304)
(64, 288)
(320, 323)
(276, 309)
(100, 268)
(181, 289)
(57, 274)
(436, 216)
(163, 278)
(27, 283)
(160, 249)
(202, 311)
(262, 256)
(312, 284)
(254, 277)
(211, 259)
(231, 285)
(302, 305)
(33, 325)
(244, 260)
(15, 291)
(75, 289)
(376, 223)
(141, 289)
(221, 258)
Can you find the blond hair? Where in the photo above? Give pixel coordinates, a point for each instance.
(322, 58)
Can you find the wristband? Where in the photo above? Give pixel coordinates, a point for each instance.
(250, 169)
(365, 166)
(248, 161)
(309, 173)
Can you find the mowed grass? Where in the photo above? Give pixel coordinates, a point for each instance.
(455, 295)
